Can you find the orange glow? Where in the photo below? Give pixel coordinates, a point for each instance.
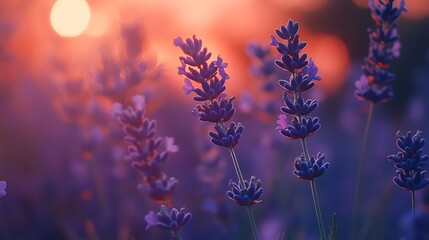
(361, 3)
(309, 5)
(69, 18)
(98, 25)
(86, 195)
(331, 56)
(417, 9)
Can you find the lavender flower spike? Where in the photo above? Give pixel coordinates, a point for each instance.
(210, 77)
(172, 220)
(303, 74)
(310, 169)
(247, 195)
(229, 137)
(147, 153)
(410, 162)
(2, 188)
(384, 45)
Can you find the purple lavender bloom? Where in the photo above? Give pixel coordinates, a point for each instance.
(299, 107)
(375, 83)
(300, 130)
(172, 220)
(281, 121)
(310, 169)
(217, 111)
(2, 188)
(216, 107)
(258, 51)
(211, 77)
(160, 189)
(412, 182)
(302, 78)
(147, 153)
(227, 137)
(263, 66)
(409, 162)
(247, 195)
(303, 74)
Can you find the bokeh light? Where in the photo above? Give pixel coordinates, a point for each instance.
(69, 18)
(332, 57)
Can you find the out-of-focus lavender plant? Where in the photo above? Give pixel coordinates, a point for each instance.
(384, 46)
(120, 75)
(215, 107)
(409, 163)
(264, 68)
(375, 82)
(211, 172)
(2, 188)
(263, 65)
(416, 225)
(172, 220)
(303, 74)
(148, 153)
(87, 106)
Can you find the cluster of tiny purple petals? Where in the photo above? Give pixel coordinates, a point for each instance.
(172, 220)
(147, 156)
(216, 107)
(409, 162)
(375, 83)
(301, 130)
(145, 152)
(227, 137)
(247, 194)
(310, 169)
(210, 77)
(303, 73)
(217, 111)
(303, 76)
(264, 67)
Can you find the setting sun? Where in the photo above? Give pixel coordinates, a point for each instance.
(69, 18)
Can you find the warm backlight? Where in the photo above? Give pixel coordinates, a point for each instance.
(69, 18)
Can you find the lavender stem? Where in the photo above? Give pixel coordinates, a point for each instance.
(241, 181)
(314, 194)
(362, 161)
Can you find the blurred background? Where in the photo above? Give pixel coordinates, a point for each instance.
(64, 63)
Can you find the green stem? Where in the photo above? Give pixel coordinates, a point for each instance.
(413, 202)
(241, 182)
(312, 182)
(315, 196)
(177, 236)
(236, 167)
(252, 223)
(362, 161)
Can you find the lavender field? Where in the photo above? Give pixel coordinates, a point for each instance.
(208, 120)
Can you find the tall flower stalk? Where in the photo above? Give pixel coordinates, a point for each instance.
(409, 163)
(375, 82)
(215, 107)
(147, 154)
(303, 74)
